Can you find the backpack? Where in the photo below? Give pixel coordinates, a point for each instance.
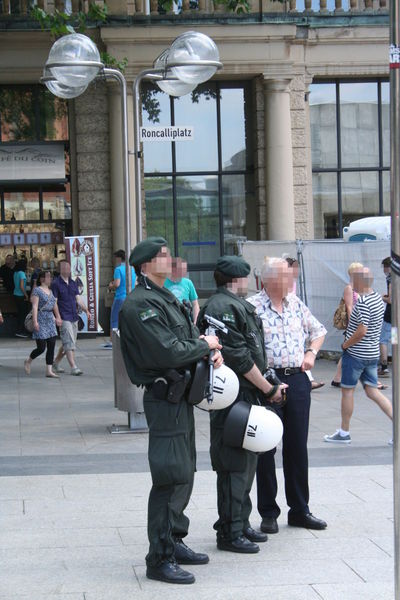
(340, 319)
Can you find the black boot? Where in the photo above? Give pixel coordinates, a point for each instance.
(169, 572)
(186, 556)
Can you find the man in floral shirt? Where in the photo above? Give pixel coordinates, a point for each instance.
(293, 338)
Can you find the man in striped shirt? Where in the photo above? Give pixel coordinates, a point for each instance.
(361, 353)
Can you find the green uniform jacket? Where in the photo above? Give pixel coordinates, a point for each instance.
(157, 334)
(243, 345)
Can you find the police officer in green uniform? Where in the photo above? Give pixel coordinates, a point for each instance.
(244, 352)
(159, 344)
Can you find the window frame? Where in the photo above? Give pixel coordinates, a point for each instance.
(219, 172)
(339, 170)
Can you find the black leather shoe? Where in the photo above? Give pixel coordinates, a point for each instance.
(307, 521)
(269, 525)
(186, 556)
(254, 536)
(241, 545)
(169, 572)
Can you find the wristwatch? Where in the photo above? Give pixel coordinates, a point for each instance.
(313, 350)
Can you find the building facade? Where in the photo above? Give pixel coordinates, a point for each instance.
(291, 138)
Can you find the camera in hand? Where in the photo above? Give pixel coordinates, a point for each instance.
(272, 378)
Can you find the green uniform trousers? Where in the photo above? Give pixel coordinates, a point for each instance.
(235, 469)
(172, 459)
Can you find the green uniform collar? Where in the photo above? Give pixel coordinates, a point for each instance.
(224, 290)
(146, 282)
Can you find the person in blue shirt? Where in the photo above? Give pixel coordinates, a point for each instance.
(182, 287)
(21, 296)
(119, 285)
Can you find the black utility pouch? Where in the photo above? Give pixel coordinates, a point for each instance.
(177, 384)
(160, 389)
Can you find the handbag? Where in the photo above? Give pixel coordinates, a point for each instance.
(340, 318)
(28, 323)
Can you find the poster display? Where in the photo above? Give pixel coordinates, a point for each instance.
(83, 254)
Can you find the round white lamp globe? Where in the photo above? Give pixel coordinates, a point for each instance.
(174, 87)
(62, 91)
(192, 46)
(74, 49)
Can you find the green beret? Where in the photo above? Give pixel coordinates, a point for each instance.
(146, 250)
(233, 266)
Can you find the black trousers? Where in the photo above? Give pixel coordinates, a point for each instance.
(22, 311)
(172, 459)
(295, 417)
(235, 469)
(41, 347)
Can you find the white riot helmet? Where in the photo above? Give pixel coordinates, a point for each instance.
(225, 389)
(252, 427)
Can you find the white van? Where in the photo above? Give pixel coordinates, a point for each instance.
(369, 228)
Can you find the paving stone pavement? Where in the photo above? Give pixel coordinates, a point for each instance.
(73, 499)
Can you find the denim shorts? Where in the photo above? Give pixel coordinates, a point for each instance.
(354, 369)
(116, 307)
(386, 333)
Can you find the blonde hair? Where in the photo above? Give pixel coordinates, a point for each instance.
(354, 266)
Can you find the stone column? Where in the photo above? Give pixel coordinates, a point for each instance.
(278, 161)
(117, 190)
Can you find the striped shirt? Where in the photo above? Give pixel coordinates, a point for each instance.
(367, 311)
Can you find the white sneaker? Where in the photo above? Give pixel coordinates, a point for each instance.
(336, 438)
(75, 371)
(57, 368)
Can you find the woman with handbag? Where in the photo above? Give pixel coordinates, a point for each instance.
(45, 317)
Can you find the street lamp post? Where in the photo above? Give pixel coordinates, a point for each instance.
(73, 62)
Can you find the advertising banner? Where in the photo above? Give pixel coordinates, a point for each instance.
(83, 254)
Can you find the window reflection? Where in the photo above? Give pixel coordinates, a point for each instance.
(325, 201)
(57, 205)
(159, 209)
(198, 218)
(323, 125)
(21, 206)
(360, 195)
(156, 112)
(239, 218)
(53, 121)
(359, 124)
(233, 135)
(198, 110)
(17, 114)
(385, 95)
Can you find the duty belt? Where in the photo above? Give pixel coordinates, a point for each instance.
(287, 371)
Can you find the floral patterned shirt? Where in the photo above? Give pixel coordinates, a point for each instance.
(286, 334)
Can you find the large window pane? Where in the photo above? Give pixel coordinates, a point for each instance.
(198, 110)
(21, 206)
(202, 280)
(233, 134)
(322, 102)
(325, 201)
(198, 219)
(159, 208)
(386, 192)
(360, 195)
(156, 112)
(53, 113)
(57, 205)
(17, 114)
(238, 211)
(359, 124)
(385, 94)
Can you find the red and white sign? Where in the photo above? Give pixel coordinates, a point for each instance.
(83, 254)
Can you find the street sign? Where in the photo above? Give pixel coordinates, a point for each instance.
(181, 133)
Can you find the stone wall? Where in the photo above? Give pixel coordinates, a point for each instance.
(93, 178)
